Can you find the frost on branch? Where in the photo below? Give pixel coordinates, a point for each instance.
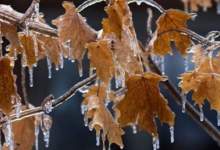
(73, 30)
(8, 89)
(101, 118)
(143, 102)
(204, 81)
(169, 26)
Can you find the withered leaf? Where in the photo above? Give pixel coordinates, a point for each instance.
(195, 4)
(168, 29)
(101, 58)
(119, 29)
(101, 118)
(29, 53)
(51, 48)
(204, 82)
(8, 89)
(143, 102)
(9, 31)
(73, 29)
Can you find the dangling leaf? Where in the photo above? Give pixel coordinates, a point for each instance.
(195, 4)
(8, 89)
(204, 82)
(101, 58)
(29, 53)
(9, 31)
(74, 31)
(143, 102)
(119, 29)
(169, 27)
(101, 118)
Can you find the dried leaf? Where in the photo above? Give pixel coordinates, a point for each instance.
(101, 58)
(168, 25)
(51, 48)
(119, 29)
(101, 118)
(204, 82)
(8, 89)
(9, 31)
(29, 53)
(78, 34)
(143, 102)
(195, 4)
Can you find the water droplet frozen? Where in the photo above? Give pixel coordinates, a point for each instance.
(162, 65)
(49, 66)
(134, 129)
(86, 121)
(31, 82)
(84, 89)
(183, 102)
(46, 126)
(172, 134)
(201, 114)
(138, 2)
(83, 109)
(61, 61)
(154, 143)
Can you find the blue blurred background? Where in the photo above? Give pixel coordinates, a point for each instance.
(68, 131)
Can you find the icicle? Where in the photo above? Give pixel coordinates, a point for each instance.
(83, 109)
(172, 134)
(80, 68)
(218, 118)
(98, 138)
(186, 64)
(86, 121)
(158, 143)
(46, 126)
(154, 143)
(18, 108)
(201, 114)
(61, 61)
(36, 134)
(109, 146)
(162, 65)
(7, 131)
(218, 7)
(31, 82)
(49, 66)
(183, 102)
(134, 129)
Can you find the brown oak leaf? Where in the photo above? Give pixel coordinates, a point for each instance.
(101, 58)
(101, 118)
(143, 102)
(168, 29)
(74, 31)
(8, 89)
(204, 82)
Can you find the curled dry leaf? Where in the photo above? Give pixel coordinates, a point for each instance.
(9, 31)
(23, 134)
(169, 26)
(119, 29)
(78, 34)
(29, 49)
(204, 82)
(195, 4)
(8, 89)
(101, 118)
(101, 58)
(51, 48)
(143, 102)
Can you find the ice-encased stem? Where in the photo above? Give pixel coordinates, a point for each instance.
(172, 134)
